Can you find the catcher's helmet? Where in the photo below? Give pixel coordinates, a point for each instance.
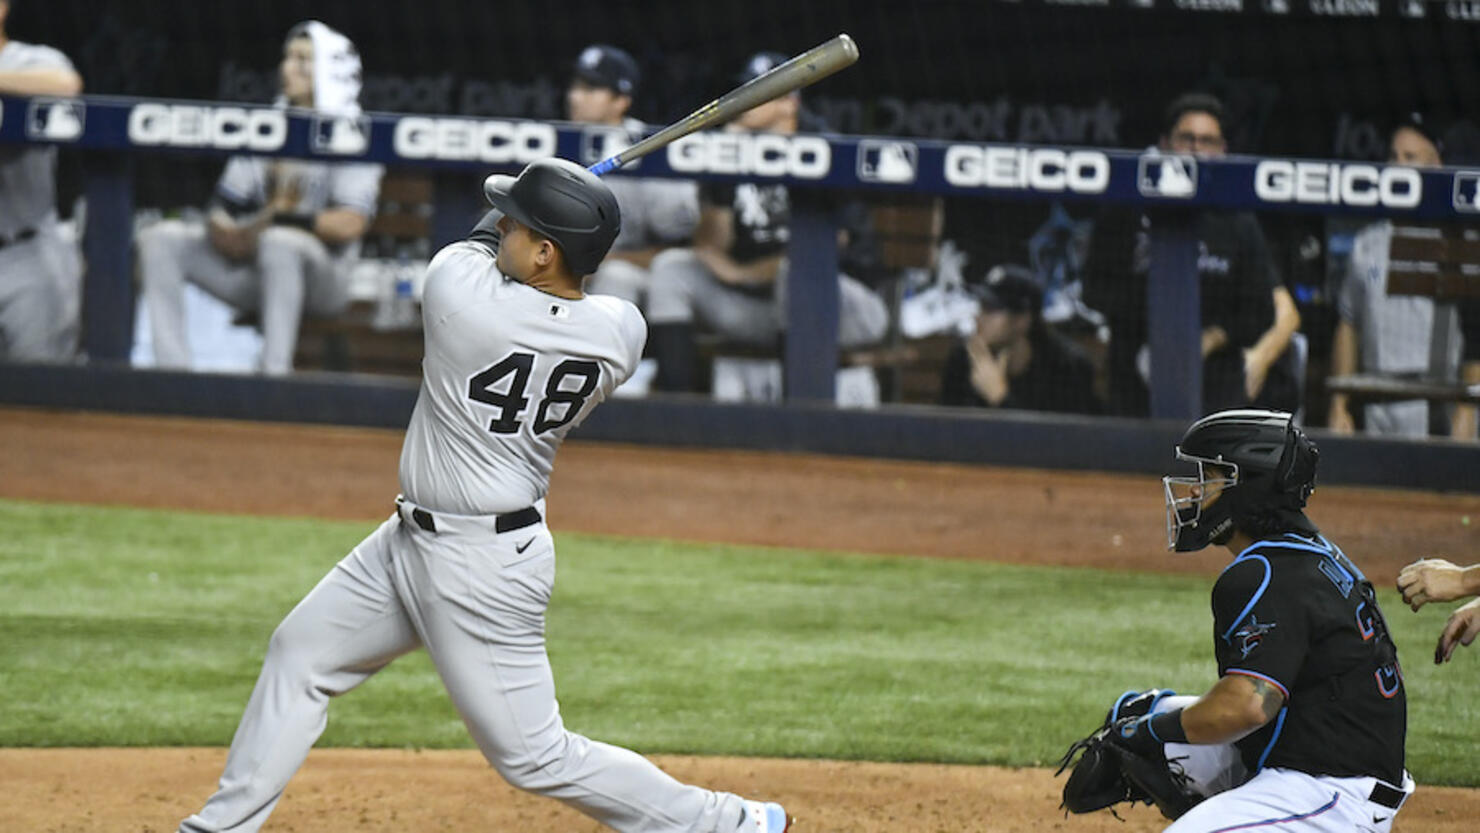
(564, 202)
(1260, 462)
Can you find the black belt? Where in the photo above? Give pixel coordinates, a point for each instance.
(1390, 797)
(528, 516)
(19, 237)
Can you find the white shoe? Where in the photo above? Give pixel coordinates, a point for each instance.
(764, 817)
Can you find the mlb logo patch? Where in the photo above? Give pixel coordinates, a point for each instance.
(340, 135)
(884, 161)
(559, 311)
(1467, 192)
(1158, 175)
(55, 120)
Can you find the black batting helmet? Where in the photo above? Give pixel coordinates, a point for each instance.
(566, 203)
(1249, 463)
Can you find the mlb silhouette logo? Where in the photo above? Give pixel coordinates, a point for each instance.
(340, 135)
(1277, 6)
(55, 120)
(1167, 176)
(1412, 8)
(1467, 192)
(892, 162)
(598, 143)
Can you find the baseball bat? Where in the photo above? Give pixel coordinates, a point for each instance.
(809, 67)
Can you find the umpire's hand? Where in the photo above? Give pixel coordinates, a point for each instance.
(1437, 580)
(1461, 629)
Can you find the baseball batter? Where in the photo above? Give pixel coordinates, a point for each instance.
(1310, 691)
(516, 356)
(40, 273)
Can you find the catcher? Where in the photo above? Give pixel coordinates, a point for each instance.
(1310, 695)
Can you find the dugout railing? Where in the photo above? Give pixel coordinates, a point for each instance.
(108, 131)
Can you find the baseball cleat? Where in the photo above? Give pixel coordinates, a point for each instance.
(764, 817)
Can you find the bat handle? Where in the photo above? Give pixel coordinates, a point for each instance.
(609, 164)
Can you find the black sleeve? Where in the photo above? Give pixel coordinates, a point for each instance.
(1251, 311)
(955, 380)
(1469, 322)
(1259, 626)
(718, 194)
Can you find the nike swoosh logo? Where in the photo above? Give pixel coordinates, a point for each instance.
(522, 547)
(1380, 819)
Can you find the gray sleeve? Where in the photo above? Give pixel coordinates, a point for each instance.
(672, 208)
(1352, 295)
(40, 56)
(355, 186)
(241, 185)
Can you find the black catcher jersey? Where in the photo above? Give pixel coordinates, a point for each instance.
(1294, 611)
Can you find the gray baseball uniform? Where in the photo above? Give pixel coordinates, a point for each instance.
(293, 270)
(40, 276)
(466, 566)
(655, 213)
(1393, 330)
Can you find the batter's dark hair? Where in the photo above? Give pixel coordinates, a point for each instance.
(1192, 103)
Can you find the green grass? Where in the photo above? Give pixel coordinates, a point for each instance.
(132, 627)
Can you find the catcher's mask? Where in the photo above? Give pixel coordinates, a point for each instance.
(1248, 462)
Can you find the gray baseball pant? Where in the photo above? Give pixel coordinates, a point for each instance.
(477, 604)
(293, 272)
(38, 307)
(683, 290)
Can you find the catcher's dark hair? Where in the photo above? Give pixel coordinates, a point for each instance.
(1195, 102)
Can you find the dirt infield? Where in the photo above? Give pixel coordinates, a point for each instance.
(778, 499)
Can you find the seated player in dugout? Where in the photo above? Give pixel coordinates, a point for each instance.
(1378, 332)
(1248, 316)
(732, 281)
(281, 234)
(40, 270)
(1305, 728)
(1013, 357)
(656, 213)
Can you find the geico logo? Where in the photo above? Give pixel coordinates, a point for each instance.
(189, 125)
(761, 154)
(1321, 183)
(418, 137)
(1035, 169)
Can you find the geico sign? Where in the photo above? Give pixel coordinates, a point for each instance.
(1322, 183)
(1034, 169)
(760, 154)
(190, 125)
(418, 137)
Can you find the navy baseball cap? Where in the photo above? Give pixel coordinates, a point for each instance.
(1010, 287)
(759, 64)
(609, 67)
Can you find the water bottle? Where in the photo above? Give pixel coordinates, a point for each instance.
(403, 303)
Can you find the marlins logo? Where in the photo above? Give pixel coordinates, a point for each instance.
(1248, 637)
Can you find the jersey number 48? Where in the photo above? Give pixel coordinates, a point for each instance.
(511, 401)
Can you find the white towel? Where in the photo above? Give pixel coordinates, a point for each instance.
(336, 69)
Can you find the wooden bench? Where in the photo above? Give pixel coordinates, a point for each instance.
(1438, 262)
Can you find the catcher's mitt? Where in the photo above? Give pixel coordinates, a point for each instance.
(1106, 772)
